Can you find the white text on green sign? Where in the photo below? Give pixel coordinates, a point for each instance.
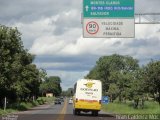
(108, 8)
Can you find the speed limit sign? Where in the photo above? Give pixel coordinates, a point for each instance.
(92, 27)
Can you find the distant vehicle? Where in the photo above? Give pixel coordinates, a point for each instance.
(62, 99)
(70, 101)
(87, 96)
(57, 101)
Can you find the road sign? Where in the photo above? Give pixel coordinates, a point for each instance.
(108, 28)
(108, 8)
(92, 27)
(108, 18)
(105, 99)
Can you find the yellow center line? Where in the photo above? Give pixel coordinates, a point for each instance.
(63, 111)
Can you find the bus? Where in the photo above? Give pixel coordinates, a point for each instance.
(87, 96)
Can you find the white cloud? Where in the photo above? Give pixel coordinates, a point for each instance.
(147, 31)
(99, 46)
(54, 28)
(56, 64)
(47, 45)
(36, 29)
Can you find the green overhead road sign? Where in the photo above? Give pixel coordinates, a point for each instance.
(108, 18)
(108, 8)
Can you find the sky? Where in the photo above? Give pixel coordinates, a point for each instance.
(52, 30)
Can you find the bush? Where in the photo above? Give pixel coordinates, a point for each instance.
(25, 106)
(35, 103)
(22, 106)
(41, 101)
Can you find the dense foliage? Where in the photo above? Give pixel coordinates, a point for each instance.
(68, 92)
(51, 85)
(123, 78)
(152, 79)
(20, 79)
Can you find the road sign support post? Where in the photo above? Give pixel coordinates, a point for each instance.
(5, 103)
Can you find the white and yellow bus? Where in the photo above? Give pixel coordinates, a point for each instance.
(87, 96)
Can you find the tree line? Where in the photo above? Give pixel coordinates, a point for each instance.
(51, 85)
(68, 92)
(20, 79)
(124, 79)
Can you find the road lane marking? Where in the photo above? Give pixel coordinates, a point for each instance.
(63, 111)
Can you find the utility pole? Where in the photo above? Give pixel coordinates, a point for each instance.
(5, 103)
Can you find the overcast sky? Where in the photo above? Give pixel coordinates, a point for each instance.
(52, 30)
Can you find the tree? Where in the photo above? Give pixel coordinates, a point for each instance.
(19, 77)
(114, 69)
(113, 91)
(51, 84)
(122, 81)
(68, 92)
(152, 79)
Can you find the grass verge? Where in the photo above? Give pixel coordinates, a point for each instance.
(127, 108)
(22, 106)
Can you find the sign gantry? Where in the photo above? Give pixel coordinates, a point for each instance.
(108, 18)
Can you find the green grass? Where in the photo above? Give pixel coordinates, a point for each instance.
(2, 112)
(22, 106)
(122, 108)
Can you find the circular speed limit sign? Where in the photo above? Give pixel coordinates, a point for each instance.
(92, 27)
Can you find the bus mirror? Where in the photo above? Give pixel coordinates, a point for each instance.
(72, 92)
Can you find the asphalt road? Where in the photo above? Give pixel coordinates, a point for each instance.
(56, 112)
